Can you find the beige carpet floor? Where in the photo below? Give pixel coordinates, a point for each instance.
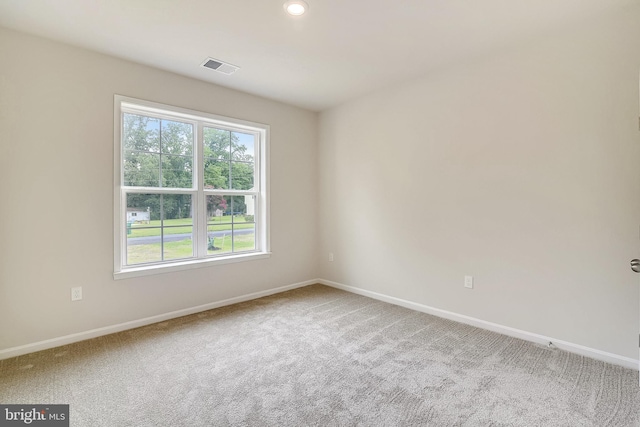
(318, 356)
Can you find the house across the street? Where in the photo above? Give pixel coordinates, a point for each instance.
(138, 215)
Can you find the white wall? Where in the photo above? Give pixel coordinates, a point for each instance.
(56, 192)
(521, 169)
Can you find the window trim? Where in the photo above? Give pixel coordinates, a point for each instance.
(262, 214)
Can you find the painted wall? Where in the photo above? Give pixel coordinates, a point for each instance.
(56, 192)
(521, 169)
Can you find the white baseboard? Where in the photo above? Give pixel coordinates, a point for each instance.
(615, 359)
(93, 333)
(506, 330)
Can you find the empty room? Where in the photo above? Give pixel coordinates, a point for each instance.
(319, 213)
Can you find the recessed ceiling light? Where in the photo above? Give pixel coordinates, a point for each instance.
(296, 7)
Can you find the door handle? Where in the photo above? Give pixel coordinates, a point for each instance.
(635, 265)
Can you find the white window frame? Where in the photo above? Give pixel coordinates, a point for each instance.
(200, 120)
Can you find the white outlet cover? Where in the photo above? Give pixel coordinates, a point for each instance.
(468, 282)
(76, 293)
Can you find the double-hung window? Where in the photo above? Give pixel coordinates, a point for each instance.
(190, 188)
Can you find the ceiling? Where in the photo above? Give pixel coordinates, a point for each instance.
(337, 51)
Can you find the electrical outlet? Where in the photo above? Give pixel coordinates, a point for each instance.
(330, 256)
(468, 282)
(76, 293)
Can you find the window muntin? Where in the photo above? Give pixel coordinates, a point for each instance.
(229, 159)
(231, 224)
(192, 186)
(165, 234)
(158, 152)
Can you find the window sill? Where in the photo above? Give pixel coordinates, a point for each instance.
(148, 270)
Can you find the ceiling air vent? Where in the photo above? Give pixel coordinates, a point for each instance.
(220, 66)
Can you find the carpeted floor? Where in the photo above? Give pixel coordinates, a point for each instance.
(323, 357)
